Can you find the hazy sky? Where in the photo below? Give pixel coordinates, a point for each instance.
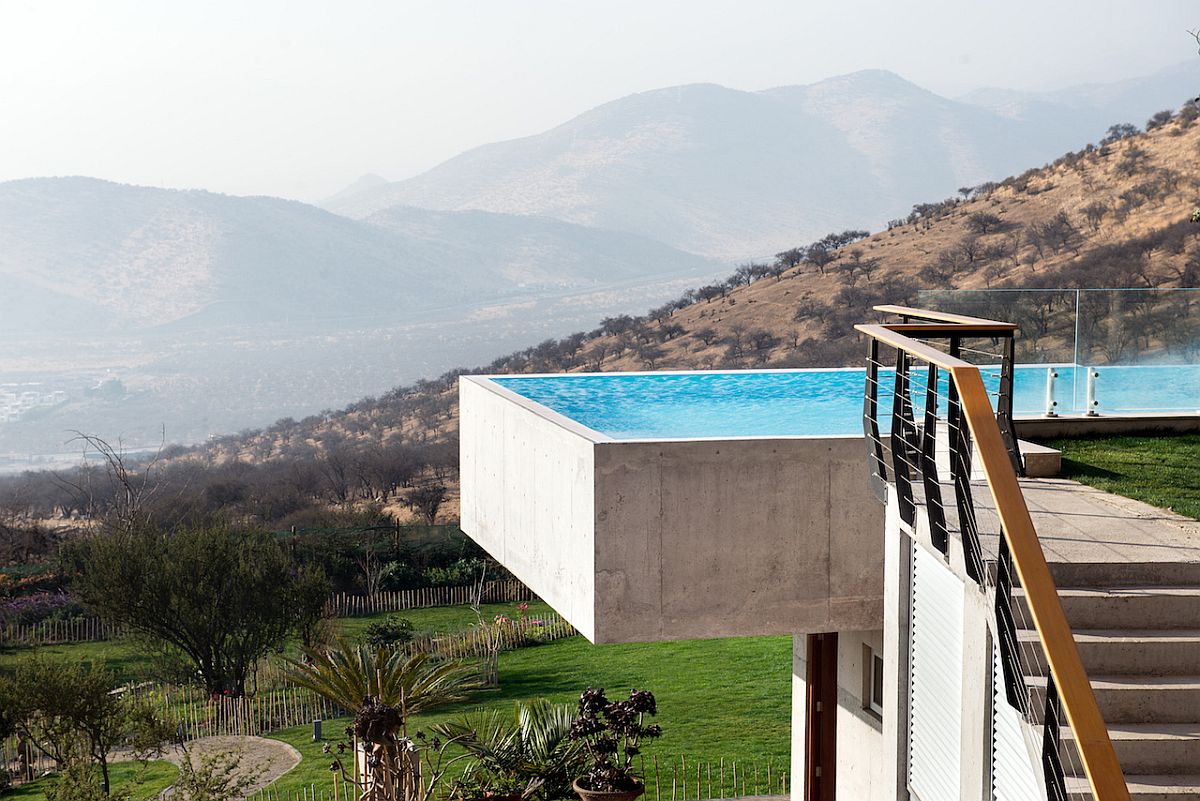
(299, 98)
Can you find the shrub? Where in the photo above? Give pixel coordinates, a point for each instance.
(389, 632)
(1160, 119)
(462, 572)
(400, 576)
(30, 609)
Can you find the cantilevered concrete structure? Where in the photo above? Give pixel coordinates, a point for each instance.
(642, 540)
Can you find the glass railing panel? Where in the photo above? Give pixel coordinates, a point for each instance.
(1107, 351)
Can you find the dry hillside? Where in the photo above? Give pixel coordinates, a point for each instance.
(1116, 215)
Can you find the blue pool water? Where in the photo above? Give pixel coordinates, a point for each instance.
(815, 402)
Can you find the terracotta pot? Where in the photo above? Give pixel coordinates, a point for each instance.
(608, 795)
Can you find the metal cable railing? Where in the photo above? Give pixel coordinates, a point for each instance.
(908, 462)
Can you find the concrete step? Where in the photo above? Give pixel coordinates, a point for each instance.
(1175, 787)
(1125, 574)
(1134, 699)
(1165, 607)
(1130, 652)
(1148, 748)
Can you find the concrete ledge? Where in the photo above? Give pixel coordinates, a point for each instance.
(1081, 425)
(1041, 461)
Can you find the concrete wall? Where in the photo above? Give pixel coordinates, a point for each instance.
(722, 538)
(1078, 425)
(663, 540)
(527, 498)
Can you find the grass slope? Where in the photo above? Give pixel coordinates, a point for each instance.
(1161, 471)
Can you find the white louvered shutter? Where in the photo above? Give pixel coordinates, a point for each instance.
(936, 658)
(1015, 774)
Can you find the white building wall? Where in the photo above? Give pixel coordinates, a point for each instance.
(861, 753)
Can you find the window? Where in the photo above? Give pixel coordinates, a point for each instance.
(876, 683)
(872, 686)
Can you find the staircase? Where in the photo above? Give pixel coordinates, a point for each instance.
(1137, 627)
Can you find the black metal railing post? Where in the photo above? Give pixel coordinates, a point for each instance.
(1052, 763)
(960, 446)
(1015, 689)
(1004, 404)
(903, 454)
(878, 467)
(938, 534)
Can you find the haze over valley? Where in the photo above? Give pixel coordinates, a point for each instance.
(142, 314)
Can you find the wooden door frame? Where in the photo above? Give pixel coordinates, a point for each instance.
(820, 719)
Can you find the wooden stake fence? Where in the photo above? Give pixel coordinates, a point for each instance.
(51, 632)
(91, 629)
(344, 605)
(709, 780)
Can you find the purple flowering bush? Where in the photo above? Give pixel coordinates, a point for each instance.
(37, 607)
(611, 734)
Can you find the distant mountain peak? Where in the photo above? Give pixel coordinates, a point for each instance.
(363, 183)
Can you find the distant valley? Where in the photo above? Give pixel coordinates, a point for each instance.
(150, 314)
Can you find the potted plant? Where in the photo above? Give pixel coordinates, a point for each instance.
(611, 734)
(531, 744)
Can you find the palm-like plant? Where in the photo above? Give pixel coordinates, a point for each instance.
(346, 674)
(534, 742)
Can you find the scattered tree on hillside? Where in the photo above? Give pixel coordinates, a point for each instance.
(219, 597)
(426, 500)
(1094, 213)
(983, 222)
(706, 334)
(1120, 131)
(1159, 119)
(790, 258)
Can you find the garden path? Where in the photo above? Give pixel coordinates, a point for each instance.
(265, 760)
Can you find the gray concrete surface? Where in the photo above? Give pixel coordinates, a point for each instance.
(673, 539)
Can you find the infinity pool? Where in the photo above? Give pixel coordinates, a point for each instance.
(781, 403)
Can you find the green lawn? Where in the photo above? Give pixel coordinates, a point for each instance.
(1162, 471)
(716, 698)
(159, 774)
(439, 619)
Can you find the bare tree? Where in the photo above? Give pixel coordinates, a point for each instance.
(126, 492)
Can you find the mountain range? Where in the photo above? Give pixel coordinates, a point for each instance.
(739, 175)
(79, 253)
(211, 313)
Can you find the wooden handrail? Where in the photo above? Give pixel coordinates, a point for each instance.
(1078, 700)
(943, 317)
